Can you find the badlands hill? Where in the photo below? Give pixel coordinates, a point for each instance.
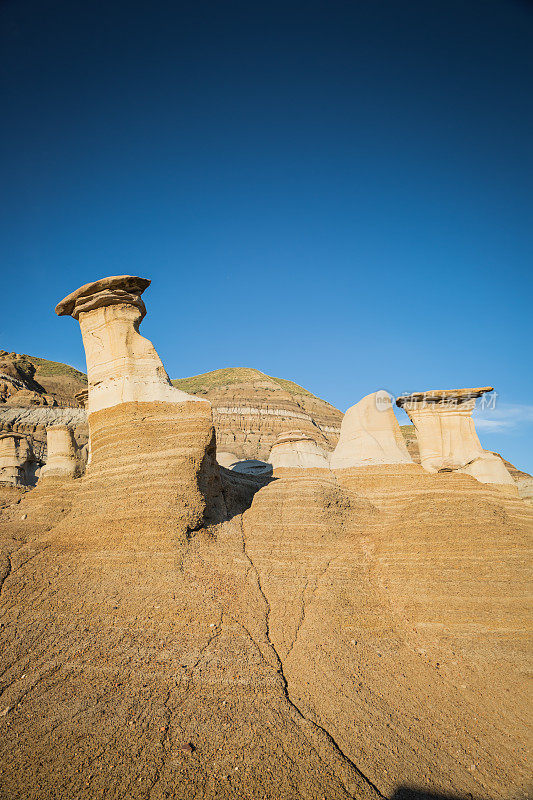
(48, 380)
(250, 410)
(173, 629)
(36, 393)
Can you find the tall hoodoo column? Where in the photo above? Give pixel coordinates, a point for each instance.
(447, 436)
(63, 459)
(122, 366)
(370, 435)
(152, 463)
(298, 450)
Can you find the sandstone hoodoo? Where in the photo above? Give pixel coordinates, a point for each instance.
(18, 464)
(447, 437)
(140, 425)
(122, 366)
(173, 627)
(295, 449)
(64, 459)
(370, 434)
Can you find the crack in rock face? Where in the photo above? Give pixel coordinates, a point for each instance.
(171, 628)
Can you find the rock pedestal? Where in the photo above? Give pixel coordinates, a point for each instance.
(63, 458)
(447, 437)
(370, 435)
(16, 458)
(122, 366)
(298, 450)
(152, 467)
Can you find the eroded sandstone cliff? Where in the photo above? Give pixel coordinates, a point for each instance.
(173, 629)
(346, 634)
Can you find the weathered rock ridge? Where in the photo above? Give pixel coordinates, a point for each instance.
(174, 629)
(37, 381)
(251, 409)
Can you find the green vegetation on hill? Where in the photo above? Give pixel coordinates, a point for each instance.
(45, 368)
(408, 430)
(197, 384)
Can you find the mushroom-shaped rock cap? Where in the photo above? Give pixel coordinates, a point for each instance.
(104, 292)
(442, 395)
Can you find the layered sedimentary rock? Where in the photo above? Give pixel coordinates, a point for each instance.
(33, 423)
(141, 427)
(447, 437)
(350, 630)
(122, 366)
(297, 450)
(251, 409)
(37, 381)
(329, 634)
(150, 633)
(370, 435)
(399, 610)
(64, 459)
(18, 465)
(36, 394)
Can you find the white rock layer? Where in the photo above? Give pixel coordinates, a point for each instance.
(298, 450)
(122, 366)
(370, 435)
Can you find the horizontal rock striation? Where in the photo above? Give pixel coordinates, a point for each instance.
(251, 409)
(34, 421)
(398, 607)
(174, 629)
(296, 449)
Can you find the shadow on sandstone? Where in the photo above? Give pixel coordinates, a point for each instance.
(409, 793)
(229, 493)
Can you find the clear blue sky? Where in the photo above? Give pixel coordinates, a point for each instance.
(339, 193)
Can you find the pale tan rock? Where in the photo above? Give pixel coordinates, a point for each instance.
(16, 457)
(447, 437)
(122, 366)
(525, 488)
(297, 449)
(370, 435)
(63, 458)
(226, 459)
